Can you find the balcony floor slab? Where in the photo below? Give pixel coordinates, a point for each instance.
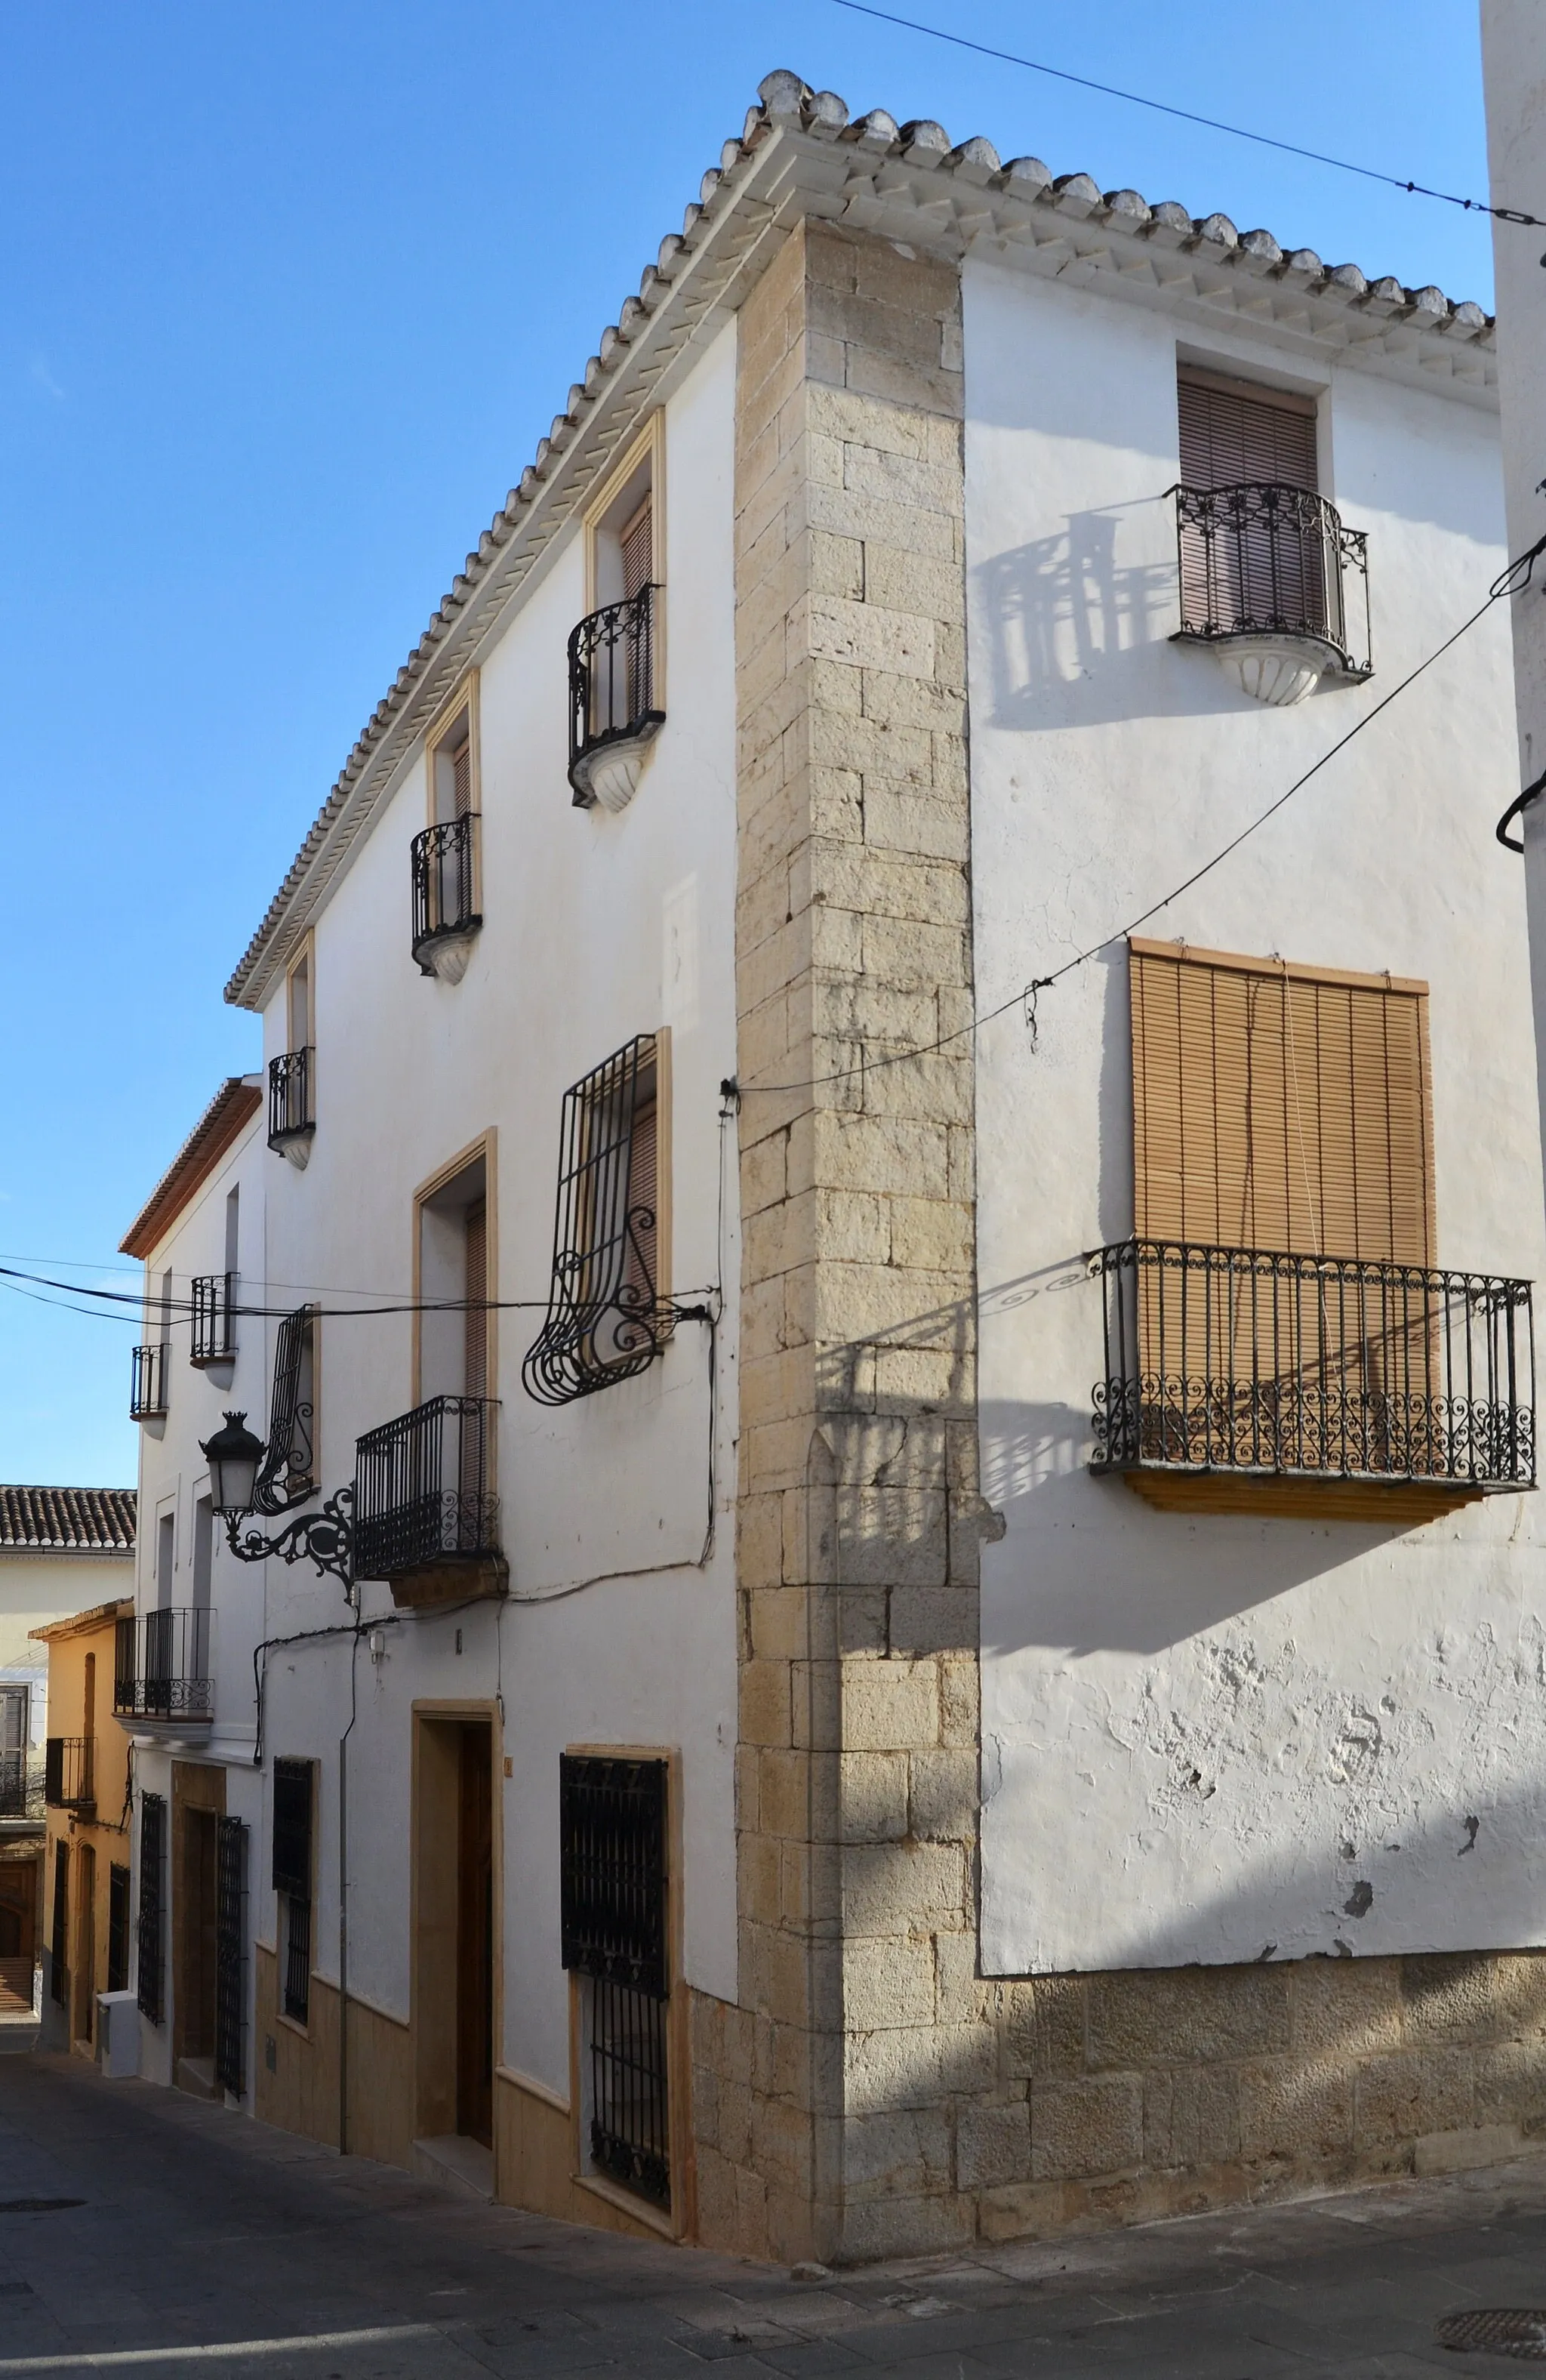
(1403, 1504)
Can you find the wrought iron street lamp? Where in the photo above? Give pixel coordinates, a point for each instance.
(236, 1458)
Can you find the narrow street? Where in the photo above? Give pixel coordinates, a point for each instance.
(144, 2231)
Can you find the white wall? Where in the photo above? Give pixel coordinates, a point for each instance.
(1200, 1734)
(36, 1588)
(596, 928)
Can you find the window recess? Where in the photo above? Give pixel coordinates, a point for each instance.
(288, 1473)
(292, 1797)
(614, 1940)
(1278, 1316)
(446, 859)
(609, 1315)
(230, 2057)
(150, 1930)
(1270, 581)
(616, 657)
(293, 1074)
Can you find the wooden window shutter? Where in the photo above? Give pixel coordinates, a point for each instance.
(1278, 1107)
(644, 1191)
(461, 776)
(1229, 433)
(476, 1369)
(637, 540)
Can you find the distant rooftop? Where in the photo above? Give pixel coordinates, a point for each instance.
(67, 1519)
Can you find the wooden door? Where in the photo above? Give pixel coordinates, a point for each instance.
(475, 1938)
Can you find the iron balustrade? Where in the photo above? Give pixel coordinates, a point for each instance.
(1262, 559)
(69, 1772)
(161, 1667)
(215, 1327)
(150, 1930)
(292, 1095)
(150, 1382)
(1251, 1361)
(422, 1490)
(22, 1784)
(611, 684)
(443, 863)
(230, 2057)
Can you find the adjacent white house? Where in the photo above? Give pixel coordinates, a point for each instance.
(880, 1576)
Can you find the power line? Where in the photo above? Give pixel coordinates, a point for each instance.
(1186, 115)
(1512, 580)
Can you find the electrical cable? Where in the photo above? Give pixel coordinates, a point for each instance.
(1509, 582)
(1188, 116)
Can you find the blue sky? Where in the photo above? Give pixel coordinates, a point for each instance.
(290, 295)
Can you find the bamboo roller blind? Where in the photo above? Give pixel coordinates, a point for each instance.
(1233, 433)
(1280, 1108)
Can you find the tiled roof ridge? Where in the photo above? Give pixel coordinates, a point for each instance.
(238, 1097)
(68, 1520)
(787, 102)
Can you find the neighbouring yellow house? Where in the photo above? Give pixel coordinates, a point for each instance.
(86, 1854)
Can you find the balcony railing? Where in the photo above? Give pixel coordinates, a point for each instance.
(214, 1333)
(150, 1382)
(291, 1098)
(443, 862)
(1262, 560)
(161, 1667)
(22, 1784)
(612, 698)
(69, 1772)
(422, 1489)
(1242, 1361)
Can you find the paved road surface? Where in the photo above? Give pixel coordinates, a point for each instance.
(204, 2244)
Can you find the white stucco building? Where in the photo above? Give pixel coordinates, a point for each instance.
(946, 1607)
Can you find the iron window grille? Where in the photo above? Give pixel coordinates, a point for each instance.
(69, 1772)
(444, 866)
(150, 1382)
(422, 1491)
(151, 1982)
(291, 1872)
(118, 1929)
(611, 684)
(613, 1880)
(292, 1095)
(287, 1476)
(21, 1785)
(161, 1667)
(1250, 1361)
(59, 1980)
(1263, 559)
(230, 2057)
(214, 1334)
(605, 1320)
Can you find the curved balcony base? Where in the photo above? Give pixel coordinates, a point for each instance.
(1276, 668)
(445, 956)
(1400, 1504)
(295, 1146)
(610, 772)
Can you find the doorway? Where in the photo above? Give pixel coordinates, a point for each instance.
(85, 1977)
(454, 1994)
(198, 1803)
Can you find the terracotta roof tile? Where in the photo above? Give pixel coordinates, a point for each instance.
(68, 1520)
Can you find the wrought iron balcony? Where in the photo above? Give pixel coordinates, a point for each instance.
(69, 1772)
(423, 1505)
(1275, 583)
(22, 1784)
(446, 916)
(160, 1667)
(293, 1104)
(150, 1381)
(1249, 1365)
(613, 711)
(214, 1331)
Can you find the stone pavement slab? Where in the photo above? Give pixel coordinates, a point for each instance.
(204, 2243)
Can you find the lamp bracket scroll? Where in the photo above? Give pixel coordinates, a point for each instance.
(236, 1457)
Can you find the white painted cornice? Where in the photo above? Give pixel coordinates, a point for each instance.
(799, 155)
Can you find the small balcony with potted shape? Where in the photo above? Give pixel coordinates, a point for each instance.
(614, 710)
(426, 1519)
(69, 1774)
(150, 1381)
(444, 862)
(21, 1790)
(1319, 1388)
(1273, 585)
(163, 1678)
(293, 1104)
